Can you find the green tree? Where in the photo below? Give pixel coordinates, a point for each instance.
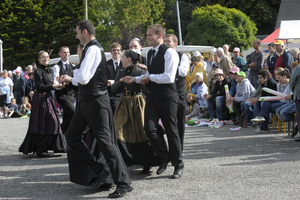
(28, 27)
(122, 20)
(262, 12)
(216, 25)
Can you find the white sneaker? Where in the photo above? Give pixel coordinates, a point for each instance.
(259, 118)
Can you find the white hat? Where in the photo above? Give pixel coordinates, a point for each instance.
(138, 51)
(197, 53)
(236, 49)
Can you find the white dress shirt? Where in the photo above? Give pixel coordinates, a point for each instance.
(171, 65)
(88, 66)
(56, 70)
(184, 65)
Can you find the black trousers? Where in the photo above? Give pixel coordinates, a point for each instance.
(298, 113)
(114, 100)
(66, 102)
(97, 114)
(166, 109)
(181, 118)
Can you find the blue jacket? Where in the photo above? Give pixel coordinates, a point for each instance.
(271, 63)
(287, 59)
(241, 63)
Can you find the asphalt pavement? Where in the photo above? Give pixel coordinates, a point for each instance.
(219, 164)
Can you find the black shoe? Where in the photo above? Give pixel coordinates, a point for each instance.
(105, 187)
(97, 183)
(178, 172)
(162, 168)
(146, 170)
(295, 131)
(120, 192)
(297, 139)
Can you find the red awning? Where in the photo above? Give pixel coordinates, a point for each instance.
(273, 37)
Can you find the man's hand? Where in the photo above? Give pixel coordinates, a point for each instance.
(145, 79)
(108, 83)
(230, 100)
(288, 97)
(59, 86)
(128, 79)
(254, 101)
(64, 78)
(206, 96)
(139, 65)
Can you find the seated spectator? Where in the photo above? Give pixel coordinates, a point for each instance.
(25, 108)
(232, 75)
(11, 109)
(244, 90)
(217, 96)
(197, 66)
(199, 89)
(238, 60)
(30, 84)
(252, 106)
(212, 72)
(276, 73)
(192, 108)
(271, 106)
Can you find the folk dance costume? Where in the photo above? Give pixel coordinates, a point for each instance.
(44, 131)
(65, 96)
(94, 110)
(129, 121)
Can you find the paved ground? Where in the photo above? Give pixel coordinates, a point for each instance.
(220, 164)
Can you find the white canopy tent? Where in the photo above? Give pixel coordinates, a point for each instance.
(289, 30)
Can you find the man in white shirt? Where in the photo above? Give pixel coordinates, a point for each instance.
(94, 111)
(171, 40)
(162, 99)
(64, 96)
(113, 66)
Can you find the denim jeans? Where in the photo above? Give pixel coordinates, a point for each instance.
(266, 107)
(248, 108)
(286, 111)
(254, 81)
(218, 103)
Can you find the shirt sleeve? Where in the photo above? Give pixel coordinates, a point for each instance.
(55, 70)
(171, 65)
(88, 67)
(184, 65)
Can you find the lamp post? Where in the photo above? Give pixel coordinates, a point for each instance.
(86, 9)
(179, 25)
(1, 56)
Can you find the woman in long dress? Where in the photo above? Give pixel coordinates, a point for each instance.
(129, 116)
(44, 131)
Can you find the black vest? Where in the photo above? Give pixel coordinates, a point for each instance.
(67, 90)
(180, 81)
(97, 86)
(159, 91)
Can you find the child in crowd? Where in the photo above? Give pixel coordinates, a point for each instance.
(192, 108)
(11, 109)
(25, 108)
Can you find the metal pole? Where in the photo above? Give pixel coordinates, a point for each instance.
(86, 9)
(179, 26)
(1, 56)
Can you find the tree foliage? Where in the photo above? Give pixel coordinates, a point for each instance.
(216, 25)
(122, 20)
(262, 12)
(29, 26)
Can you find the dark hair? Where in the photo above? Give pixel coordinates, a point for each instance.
(159, 29)
(62, 47)
(271, 44)
(135, 57)
(88, 26)
(264, 72)
(285, 72)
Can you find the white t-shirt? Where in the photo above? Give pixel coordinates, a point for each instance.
(6, 82)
